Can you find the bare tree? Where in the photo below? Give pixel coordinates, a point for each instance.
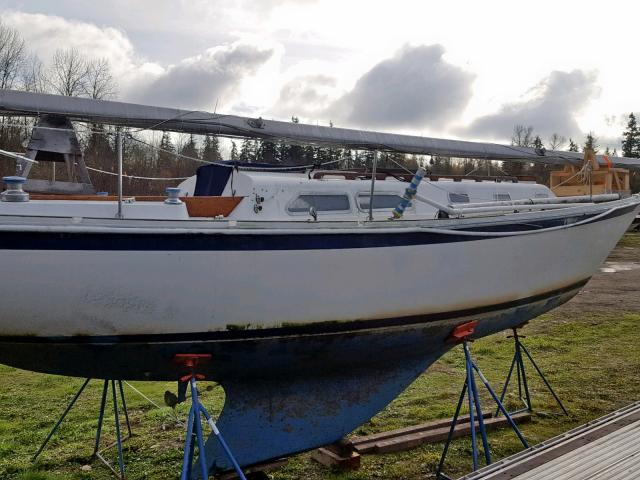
(69, 73)
(522, 136)
(556, 142)
(12, 53)
(33, 76)
(100, 82)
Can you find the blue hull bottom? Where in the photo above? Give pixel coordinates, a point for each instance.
(284, 394)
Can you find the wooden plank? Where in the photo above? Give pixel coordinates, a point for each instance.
(366, 443)
(211, 206)
(440, 434)
(328, 457)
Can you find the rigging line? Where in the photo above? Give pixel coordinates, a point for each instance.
(130, 137)
(16, 156)
(413, 173)
(141, 394)
(179, 118)
(274, 169)
(137, 177)
(579, 172)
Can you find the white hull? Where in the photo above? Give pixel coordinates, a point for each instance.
(96, 293)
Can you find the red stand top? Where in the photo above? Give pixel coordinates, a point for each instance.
(462, 331)
(191, 361)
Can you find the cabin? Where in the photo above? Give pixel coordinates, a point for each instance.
(271, 194)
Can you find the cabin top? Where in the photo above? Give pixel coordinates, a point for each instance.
(272, 195)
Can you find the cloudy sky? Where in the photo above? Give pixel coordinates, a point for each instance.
(465, 69)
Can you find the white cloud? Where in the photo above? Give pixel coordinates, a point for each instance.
(198, 82)
(343, 40)
(44, 34)
(552, 107)
(415, 88)
(305, 97)
(194, 82)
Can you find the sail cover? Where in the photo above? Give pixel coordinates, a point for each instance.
(14, 102)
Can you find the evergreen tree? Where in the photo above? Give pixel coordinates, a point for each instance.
(166, 155)
(537, 142)
(234, 156)
(267, 152)
(346, 158)
(591, 143)
(247, 151)
(631, 139)
(309, 155)
(211, 149)
(573, 146)
(183, 167)
(190, 149)
(537, 169)
(100, 153)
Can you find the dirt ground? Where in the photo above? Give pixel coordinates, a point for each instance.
(614, 288)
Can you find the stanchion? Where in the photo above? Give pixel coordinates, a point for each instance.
(194, 426)
(521, 374)
(97, 451)
(461, 334)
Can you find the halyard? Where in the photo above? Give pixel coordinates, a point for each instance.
(588, 349)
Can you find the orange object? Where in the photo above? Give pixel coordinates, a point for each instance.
(462, 331)
(606, 159)
(191, 361)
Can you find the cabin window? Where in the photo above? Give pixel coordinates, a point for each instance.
(502, 197)
(321, 202)
(381, 201)
(458, 197)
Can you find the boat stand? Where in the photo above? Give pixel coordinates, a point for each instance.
(97, 451)
(194, 425)
(521, 374)
(461, 334)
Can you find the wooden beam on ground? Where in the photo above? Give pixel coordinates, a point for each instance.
(367, 443)
(413, 440)
(345, 455)
(335, 457)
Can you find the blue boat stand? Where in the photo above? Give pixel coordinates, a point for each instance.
(469, 389)
(523, 384)
(97, 451)
(194, 425)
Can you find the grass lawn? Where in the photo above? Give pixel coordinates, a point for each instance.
(592, 360)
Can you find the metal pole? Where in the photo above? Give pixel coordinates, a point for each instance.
(439, 473)
(57, 425)
(117, 420)
(105, 387)
(472, 420)
(119, 149)
(544, 379)
(373, 184)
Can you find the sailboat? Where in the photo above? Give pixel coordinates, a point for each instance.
(319, 294)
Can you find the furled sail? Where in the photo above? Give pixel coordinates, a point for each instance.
(198, 122)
